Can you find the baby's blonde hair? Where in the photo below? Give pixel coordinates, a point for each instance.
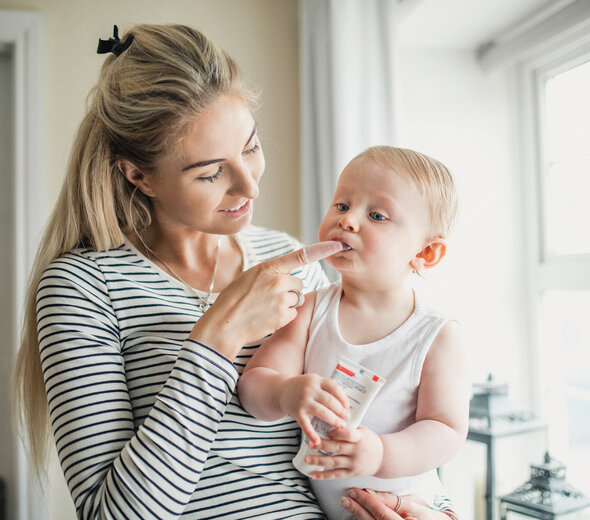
(139, 109)
(432, 178)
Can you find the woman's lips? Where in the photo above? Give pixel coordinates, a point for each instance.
(237, 211)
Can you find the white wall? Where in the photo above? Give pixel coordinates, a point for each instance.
(451, 110)
(448, 108)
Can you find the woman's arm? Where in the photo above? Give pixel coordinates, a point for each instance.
(258, 302)
(112, 468)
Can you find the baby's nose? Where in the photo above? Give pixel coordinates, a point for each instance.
(348, 222)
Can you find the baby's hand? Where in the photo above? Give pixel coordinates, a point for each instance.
(309, 395)
(355, 452)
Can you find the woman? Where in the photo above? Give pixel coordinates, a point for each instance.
(148, 283)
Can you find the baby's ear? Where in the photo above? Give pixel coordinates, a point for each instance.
(430, 255)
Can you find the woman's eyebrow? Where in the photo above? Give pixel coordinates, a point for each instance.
(213, 161)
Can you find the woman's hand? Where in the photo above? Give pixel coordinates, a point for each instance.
(354, 452)
(310, 395)
(372, 505)
(258, 302)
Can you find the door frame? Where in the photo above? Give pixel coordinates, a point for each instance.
(24, 32)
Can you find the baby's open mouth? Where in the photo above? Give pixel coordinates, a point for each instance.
(345, 246)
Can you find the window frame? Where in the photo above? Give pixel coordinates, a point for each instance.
(554, 66)
(544, 271)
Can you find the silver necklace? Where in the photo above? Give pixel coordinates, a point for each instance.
(204, 303)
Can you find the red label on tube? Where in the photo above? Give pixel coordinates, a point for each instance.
(345, 370)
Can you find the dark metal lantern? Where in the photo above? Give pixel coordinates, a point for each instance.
(493, 416)
(490, 405)
(546, 495)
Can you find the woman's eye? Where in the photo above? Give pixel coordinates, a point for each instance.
(252, 150)
(341, 207)
(212, 178)
(377, 216)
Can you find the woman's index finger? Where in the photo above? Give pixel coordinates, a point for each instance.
(305, 255)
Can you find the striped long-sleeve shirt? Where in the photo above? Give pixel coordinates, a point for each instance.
(147, 422)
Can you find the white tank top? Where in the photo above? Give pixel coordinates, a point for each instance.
(398, 358)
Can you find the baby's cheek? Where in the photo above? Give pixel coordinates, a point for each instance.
(325, 226)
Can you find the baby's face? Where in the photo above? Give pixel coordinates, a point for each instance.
(381, 215)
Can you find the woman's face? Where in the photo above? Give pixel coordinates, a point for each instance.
(210, 181)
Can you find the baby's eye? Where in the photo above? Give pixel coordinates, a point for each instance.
(341, 207)
(377, 216)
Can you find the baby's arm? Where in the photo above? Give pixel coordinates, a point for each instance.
(272, 386)
(442, 413)
(440, 427)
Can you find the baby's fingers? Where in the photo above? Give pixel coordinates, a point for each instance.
(308, 429)
(334, 405)
(331, 386)
(346, 435)
(330, 474)
(325, 414)
(334, 466)
(336, 447)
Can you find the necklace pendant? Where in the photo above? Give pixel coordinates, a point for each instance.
(203, 306)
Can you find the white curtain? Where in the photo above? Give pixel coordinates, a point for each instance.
(347, 60)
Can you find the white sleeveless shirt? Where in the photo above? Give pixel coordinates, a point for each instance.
(398, 358)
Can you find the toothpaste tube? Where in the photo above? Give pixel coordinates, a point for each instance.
(361, 386)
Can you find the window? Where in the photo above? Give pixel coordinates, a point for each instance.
(566, 161)
(559, 195)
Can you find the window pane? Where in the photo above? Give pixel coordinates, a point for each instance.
(568, 206)
(567, 150)
(565, 356)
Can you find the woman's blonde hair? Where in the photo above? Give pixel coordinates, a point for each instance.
(140, 107)
(432, 178)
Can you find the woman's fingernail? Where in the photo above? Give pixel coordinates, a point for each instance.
(352, 494)
(344, 502)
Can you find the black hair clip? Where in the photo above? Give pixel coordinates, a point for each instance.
(114, 44)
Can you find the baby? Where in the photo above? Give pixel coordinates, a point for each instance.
(392, 209)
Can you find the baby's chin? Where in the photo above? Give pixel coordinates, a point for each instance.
(339, 263)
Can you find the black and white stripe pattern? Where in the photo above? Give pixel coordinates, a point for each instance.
(146, 422)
